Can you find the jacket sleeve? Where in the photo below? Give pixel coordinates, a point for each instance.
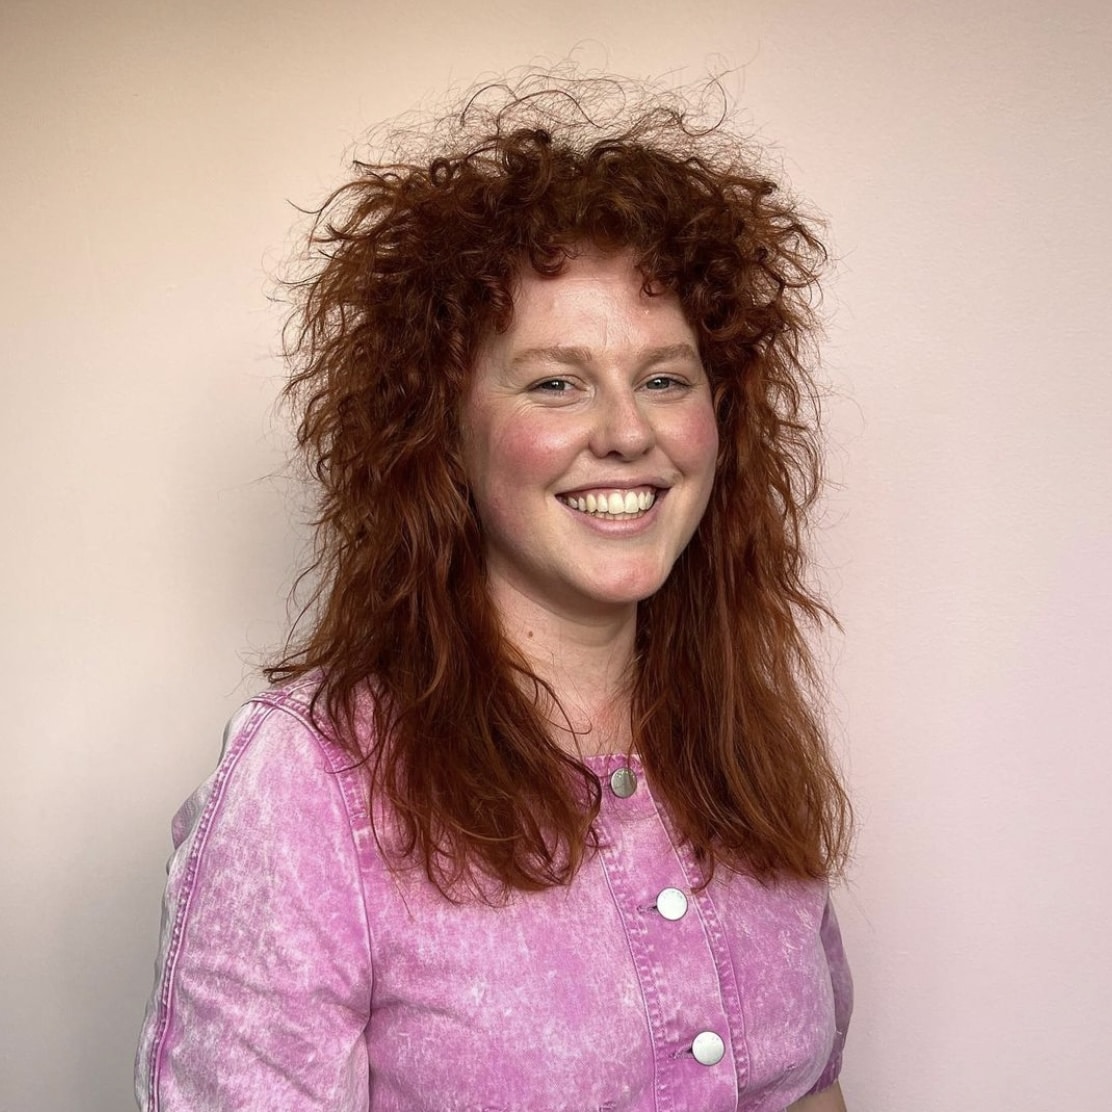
(263, 984)
(842, 984)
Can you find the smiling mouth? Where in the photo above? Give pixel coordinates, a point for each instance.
(612, 505)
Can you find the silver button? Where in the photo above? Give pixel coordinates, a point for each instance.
(708, 1048)
(672, 904)
(623, 782)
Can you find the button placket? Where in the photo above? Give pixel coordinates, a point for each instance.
(655, 903)
(707, 1048)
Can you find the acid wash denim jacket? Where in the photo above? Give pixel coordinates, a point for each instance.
(297, 971)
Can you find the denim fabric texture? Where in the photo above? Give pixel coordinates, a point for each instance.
(297, 971)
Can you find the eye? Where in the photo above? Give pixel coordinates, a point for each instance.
(552, 386)
(665, 382)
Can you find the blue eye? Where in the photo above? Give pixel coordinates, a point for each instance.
(663, 382)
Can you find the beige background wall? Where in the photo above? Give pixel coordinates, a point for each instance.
(962, 152)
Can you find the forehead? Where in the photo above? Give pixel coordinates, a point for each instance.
(597, 299)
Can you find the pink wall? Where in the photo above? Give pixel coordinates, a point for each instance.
(962, 153)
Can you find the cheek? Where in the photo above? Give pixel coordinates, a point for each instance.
(513, 464)
(528, 453)
(697, 443)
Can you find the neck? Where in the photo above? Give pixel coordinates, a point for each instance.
(586, 660)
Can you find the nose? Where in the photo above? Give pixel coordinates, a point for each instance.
(621, 428)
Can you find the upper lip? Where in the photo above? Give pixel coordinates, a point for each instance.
(618, 484)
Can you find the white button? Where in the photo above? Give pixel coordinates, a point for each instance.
(672, 904)
(623, 783)
(708, 1048)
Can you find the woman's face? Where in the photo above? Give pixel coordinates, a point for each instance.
(589, 439)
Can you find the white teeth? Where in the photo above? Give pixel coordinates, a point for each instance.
(618, 503)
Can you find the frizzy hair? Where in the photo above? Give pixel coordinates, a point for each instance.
(412, 263)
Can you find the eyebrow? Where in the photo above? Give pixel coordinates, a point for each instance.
(566, 356)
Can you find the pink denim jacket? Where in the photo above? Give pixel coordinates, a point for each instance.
(298, 972)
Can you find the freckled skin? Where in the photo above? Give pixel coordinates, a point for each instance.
(594, 387)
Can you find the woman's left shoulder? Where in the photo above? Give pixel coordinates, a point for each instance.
(805, 902)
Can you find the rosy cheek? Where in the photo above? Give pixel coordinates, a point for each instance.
(532, 450)
(698, 439)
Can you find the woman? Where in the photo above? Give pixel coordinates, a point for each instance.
(538, 815)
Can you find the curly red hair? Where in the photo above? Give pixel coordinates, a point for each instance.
(414, 261)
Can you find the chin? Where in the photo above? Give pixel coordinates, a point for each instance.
(629, 591)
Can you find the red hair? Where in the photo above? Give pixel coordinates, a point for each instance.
(414, 261)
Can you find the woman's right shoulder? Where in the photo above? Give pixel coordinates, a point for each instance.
(265, 941)
(280, 749)
(298, 703)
